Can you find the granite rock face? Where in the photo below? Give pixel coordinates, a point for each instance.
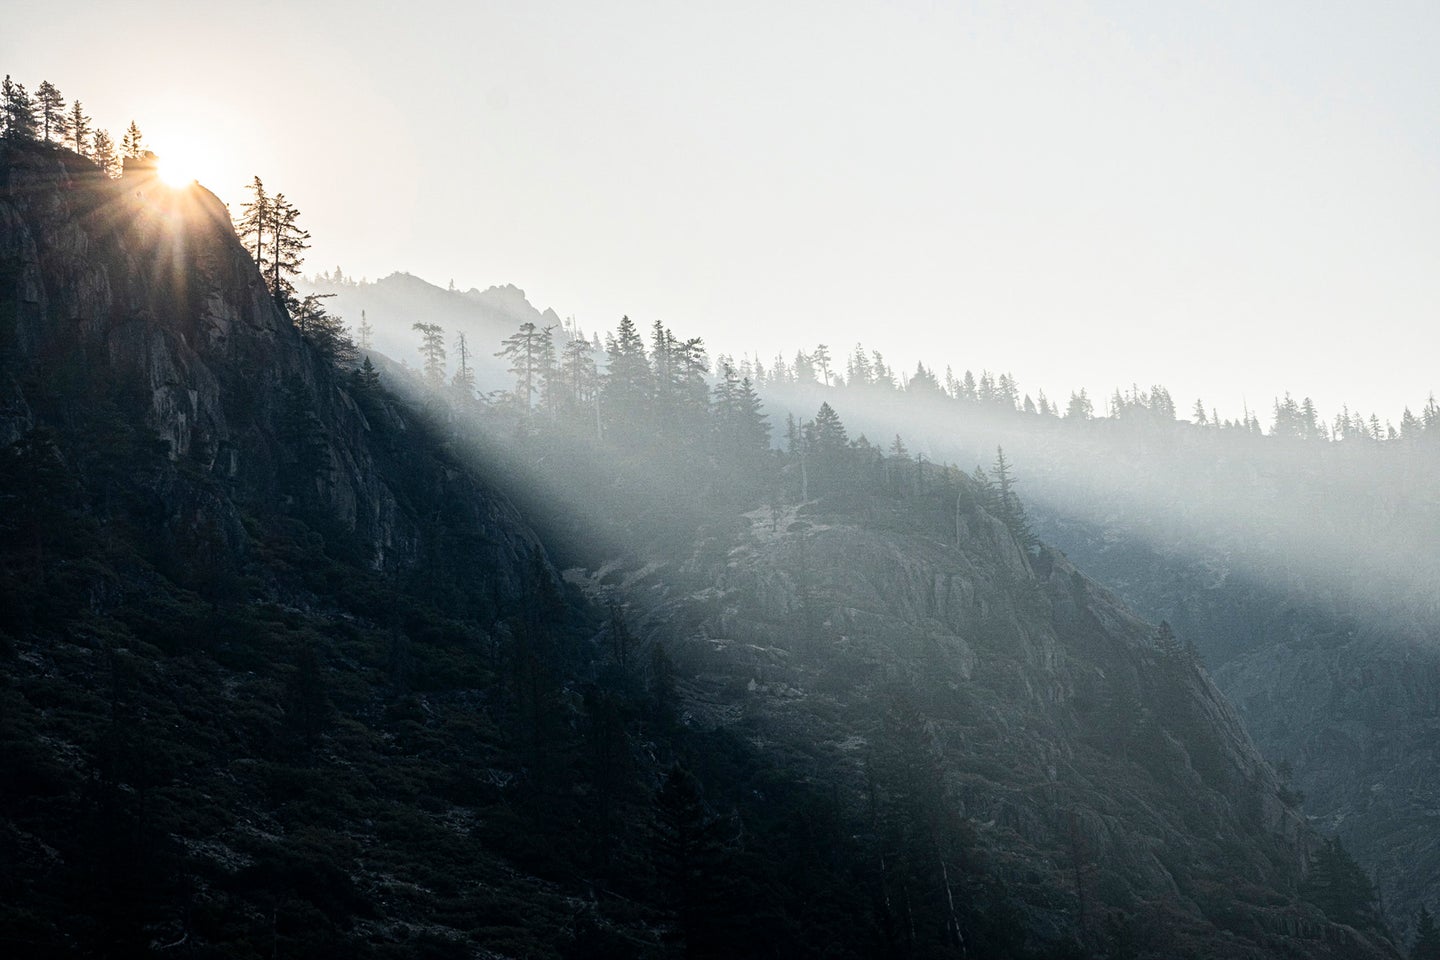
(1346, 697)
(1081, 740)
(147, 287)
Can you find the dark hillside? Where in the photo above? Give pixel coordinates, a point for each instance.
(283, 673)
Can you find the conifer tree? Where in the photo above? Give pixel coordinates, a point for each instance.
(923, 383)
(288, 242)
(103, 153)
(627, 385)
(1007, 504)
(464, 379)
(51, 106)
(525, 349)
(577, 361)
(132, 145)
(821, 358)
(880, 374)
(968, 388)
(79, 127)
(365, 333)
(367, 377)
(858, 371)
(19, 111)
(323, 330)
(1080, 407)
(255, 222)
(432, 349)
(804, 368)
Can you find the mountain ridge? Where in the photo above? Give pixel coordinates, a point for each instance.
(281, 669)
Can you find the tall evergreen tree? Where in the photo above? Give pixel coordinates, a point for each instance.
(103, 153)
(1007, 504)
(464, 379)
(254, 222)
(79, 127)
(52, 112)
(821, 359)
(432, 349)
(365, 333)
(627, 384)
(19, 111)
(288, 242)
(1080, 407)
(525, 349)
(132, 145)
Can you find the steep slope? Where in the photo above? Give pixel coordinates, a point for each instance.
(1302, 571)
(1112, 790)
(252, 617)
(282, 676)
(1346, 696)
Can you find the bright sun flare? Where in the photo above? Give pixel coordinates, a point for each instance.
(180, 163)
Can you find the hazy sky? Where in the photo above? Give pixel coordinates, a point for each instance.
(1233, 199)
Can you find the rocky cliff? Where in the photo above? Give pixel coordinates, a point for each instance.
(1345, 696)
(279, 675)
(1112, 787)
(143, 287)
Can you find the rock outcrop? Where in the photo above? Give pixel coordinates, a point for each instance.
(133, 283)
(1105, 772)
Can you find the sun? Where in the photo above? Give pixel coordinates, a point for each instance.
(180, 162)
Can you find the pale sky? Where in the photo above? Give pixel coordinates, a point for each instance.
(1232, 199)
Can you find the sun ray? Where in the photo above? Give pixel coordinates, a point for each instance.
(180, 162)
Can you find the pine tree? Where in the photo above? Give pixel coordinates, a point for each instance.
(578, 369)
(79, 127)
(132, 145)
(524, 349)
(1007, 504)
(365, 333)
(432, 348)
(367, 378)
(323, 330)
(288, 241)
(969, 390)
(19, 111)
(254, 222)
(858, 370)
(103, 153)
(464, 379)
(627, 384)
(821, 358)
(52, 112)
(804, 368)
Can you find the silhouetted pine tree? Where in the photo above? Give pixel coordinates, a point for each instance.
(103, 152)
(132, 145)
(51, 106)
(78, 125)
(18, 111)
